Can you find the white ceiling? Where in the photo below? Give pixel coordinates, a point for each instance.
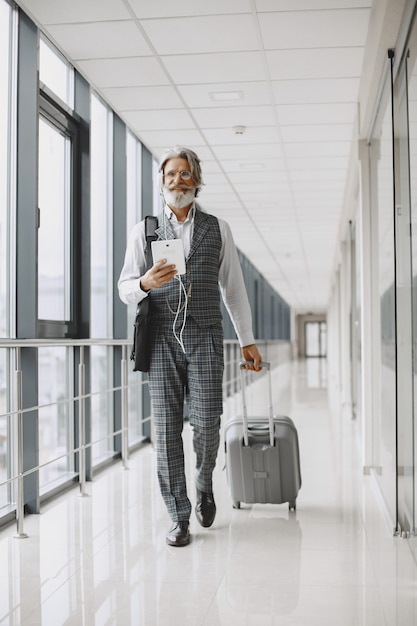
(187, 72)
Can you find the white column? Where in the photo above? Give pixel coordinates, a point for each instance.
(345, 308)
(370, 316)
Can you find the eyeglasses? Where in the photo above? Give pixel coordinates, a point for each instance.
(171, 175)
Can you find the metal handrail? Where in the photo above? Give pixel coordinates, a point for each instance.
(230, 382)
(16, 345)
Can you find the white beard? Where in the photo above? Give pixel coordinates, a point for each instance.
(178, 199)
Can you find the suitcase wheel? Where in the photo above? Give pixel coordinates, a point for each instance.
(236, 504)
(292, 506)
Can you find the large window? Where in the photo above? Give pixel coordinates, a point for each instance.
(158, 201)
(7, 205)
(412, 112)
(57, 200)
(101, 278)
(56, 261)
(133, 194)
(55, 415)
(54, 253)
(55, 73)
(406, 219)
(5, 13)
(382, 224)
(316, 339)
(134, 215)
(392, 216)
(101, 213)
(134, 181)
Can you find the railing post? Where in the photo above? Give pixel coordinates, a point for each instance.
(124, 409)
(18, 401)
(81, 422)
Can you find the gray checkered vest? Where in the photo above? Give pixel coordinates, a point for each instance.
(201, 279)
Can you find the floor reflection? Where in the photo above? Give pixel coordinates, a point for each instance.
(316, 372)
(103, 560)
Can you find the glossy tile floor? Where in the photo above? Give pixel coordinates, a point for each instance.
(102, 560)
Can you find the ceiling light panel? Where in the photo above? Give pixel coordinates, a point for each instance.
(53, 12)
(167, 8)
(268, 189)
(213, 180)
(100, 40)
(254, 166)
(231, 209)
(313, 132)
(265, 194)
(243, 165)
(318, 185)
(311, 29)
(309, 175)
(202, 95)
(229, 117)
(143, 98)
(313, 91)
(226, 96)
(317, 200)
(224, 136)
(318, 163)
(285, 212)
(267, 202)
(197, 35)
(160, 120)
(314, 63)
(215, 187)
(124, 72)
(318, 149)
(166, 138)
(213, 196)
(215, 68)
(335, 113)
(251, 151)
(210, 166)
(258, 176)
(308, 5)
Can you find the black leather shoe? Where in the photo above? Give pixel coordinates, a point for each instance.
(179, 534)
(205, 509)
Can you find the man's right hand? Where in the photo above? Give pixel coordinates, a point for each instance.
(157, 276)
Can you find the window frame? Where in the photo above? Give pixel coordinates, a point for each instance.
(68, 123)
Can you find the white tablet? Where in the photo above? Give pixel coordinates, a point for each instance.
(172, 250)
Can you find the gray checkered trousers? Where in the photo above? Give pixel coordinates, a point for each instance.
(196, 375)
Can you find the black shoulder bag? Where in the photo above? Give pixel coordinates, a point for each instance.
(141, 349)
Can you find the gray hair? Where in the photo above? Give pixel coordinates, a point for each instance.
(180, 152)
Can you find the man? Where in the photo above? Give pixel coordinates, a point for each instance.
(187, 334)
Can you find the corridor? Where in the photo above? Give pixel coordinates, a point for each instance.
(102, 560)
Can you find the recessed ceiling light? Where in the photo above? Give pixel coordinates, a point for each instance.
(224, 96)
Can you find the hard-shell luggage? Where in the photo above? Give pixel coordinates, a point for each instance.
(262, 455)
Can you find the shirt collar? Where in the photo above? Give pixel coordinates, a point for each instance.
(171, 215)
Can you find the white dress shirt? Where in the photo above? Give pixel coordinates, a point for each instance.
(232, 286)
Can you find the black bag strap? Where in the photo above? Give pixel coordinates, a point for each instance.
(151, 224)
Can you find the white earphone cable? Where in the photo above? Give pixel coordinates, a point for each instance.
(182, 290)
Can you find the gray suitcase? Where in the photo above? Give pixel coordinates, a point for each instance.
(262, 455)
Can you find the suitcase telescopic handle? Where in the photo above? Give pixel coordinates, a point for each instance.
(265, 365)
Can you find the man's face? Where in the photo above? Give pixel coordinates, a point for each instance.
(178, 185)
